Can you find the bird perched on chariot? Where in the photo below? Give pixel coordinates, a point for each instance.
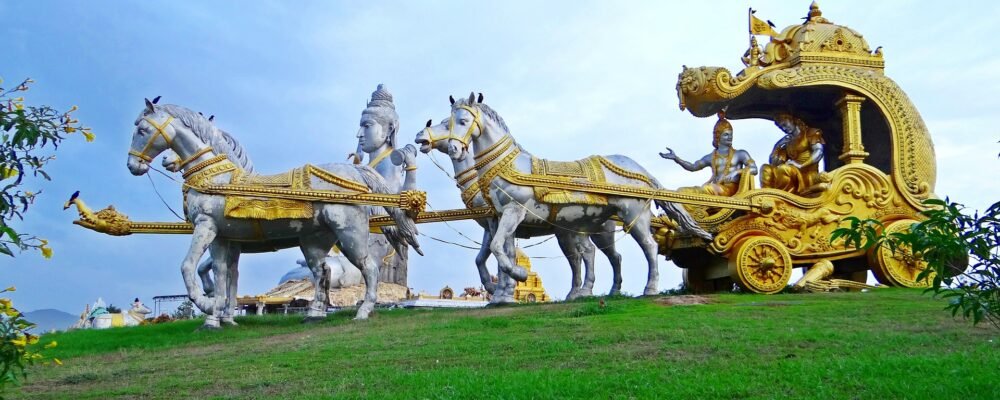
(853, 145)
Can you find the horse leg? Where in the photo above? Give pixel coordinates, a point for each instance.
(204, 272)
(644, 237)
(221, 253)
(507, 293)
(234, 278)
(509, 220)
(587, 251)
(315, 248)
(203, 235)
(481, 258)
(605, 241)
(567, 243)
(356, 250)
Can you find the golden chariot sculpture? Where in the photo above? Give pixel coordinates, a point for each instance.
(879, 161)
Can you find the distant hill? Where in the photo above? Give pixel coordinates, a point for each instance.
(49, 319)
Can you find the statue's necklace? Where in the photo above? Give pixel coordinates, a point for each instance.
(380, 157)
(729, 159)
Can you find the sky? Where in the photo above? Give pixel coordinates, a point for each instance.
(290, 79)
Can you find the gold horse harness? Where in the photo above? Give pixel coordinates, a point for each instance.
(289, 194)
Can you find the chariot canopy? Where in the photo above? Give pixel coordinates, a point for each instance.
(827, 75)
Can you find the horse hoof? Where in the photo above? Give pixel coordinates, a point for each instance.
(313, 320)
(501, 301)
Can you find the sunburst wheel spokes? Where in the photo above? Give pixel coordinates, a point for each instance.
(760, 264)
(899, 268)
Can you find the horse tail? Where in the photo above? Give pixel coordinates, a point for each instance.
(685, 221)
(405, 231)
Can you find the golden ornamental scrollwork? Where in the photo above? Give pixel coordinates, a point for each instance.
(838, 42)
(804, 225)
(913, 153)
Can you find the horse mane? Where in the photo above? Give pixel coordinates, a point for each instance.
(485, 110)
(218, 139)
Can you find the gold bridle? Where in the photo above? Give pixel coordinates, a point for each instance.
(161, 130)
(464, 139)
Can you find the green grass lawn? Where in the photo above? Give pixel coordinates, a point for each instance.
(885, 344)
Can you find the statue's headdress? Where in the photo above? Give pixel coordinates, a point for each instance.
(384, 110)
(721, 125)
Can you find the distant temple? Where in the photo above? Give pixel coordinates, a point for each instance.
(531, 290)
(295, 290)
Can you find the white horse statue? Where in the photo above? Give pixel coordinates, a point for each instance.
(105, 320)
(574, 245)
(225, 223)
(580, 196)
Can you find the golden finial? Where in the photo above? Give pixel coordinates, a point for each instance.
(815, 15)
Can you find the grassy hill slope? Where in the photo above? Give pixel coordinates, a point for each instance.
(884, 344)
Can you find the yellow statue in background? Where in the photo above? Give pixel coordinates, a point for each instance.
(794, 162)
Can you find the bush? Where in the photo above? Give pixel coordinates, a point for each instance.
(15, 353)
(962, 252)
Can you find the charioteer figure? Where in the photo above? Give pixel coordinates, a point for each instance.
(377, 139)
(794, 162)
(727, 163)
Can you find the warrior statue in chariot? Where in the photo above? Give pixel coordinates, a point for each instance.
(794, 162)
(727, 163)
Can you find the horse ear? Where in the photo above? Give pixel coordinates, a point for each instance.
(428, 124)
(472, 98)
(211, 118)
(480, 99)
(156, 99)
(451, 99)
(149, 107)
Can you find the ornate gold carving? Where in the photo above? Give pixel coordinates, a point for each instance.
(202, 165)
(624, 172)
(267, 209)
(850, 112)
(914, 167)
(804, 225)
(761, 264)
(588, 169)
(899, 267)
(837, 42)
(326, 176)
(505, 170)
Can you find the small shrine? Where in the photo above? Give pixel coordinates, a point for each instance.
(531, 290)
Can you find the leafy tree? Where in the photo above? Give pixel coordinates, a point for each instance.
(113, 310)
(16, 352)
(962, 251)
(185, 310)
(26, 134)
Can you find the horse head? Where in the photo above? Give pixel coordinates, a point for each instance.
(454, 134)
(436, 137)
(154, 132)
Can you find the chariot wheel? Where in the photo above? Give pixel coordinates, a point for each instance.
(760, 264)
(695, 282)
(899, 268)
